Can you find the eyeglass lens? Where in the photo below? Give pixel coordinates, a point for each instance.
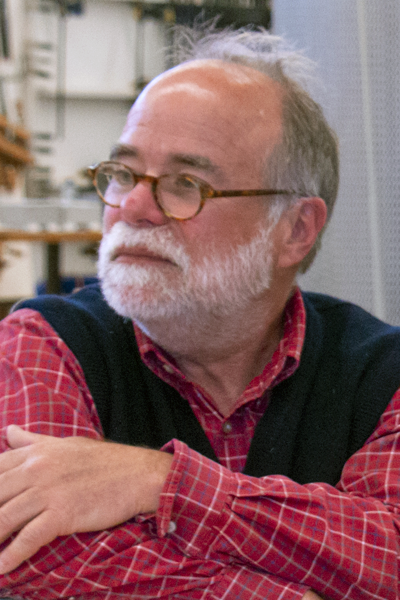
(178, 195)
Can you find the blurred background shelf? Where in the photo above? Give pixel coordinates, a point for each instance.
(52, 241)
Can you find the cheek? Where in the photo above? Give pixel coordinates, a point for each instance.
(230, 222)
(110, 217)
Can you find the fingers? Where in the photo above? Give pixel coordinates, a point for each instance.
(59, 486)
(310, 595)
(36, 533)
(16, 513)
(12, 483)
(11, 460)
(18, 438)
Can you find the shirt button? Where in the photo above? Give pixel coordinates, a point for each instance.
(227, 427)
(168, 368)
(171, 527)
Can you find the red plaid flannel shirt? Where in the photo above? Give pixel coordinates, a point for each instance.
(218, 534)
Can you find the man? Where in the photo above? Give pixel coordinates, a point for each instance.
(278, 412)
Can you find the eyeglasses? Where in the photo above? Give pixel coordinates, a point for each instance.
(178, 196)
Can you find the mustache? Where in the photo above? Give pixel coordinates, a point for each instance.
(158, 241)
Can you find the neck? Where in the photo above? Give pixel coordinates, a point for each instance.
(222, 354)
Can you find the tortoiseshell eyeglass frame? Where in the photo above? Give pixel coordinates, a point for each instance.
(206, 191)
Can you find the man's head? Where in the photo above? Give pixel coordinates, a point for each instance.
(227, 123)
(307, 158)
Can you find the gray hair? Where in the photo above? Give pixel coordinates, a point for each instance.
(307, 159)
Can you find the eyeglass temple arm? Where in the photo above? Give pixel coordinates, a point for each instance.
(229, 193)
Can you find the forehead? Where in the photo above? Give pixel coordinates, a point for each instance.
(207, 107)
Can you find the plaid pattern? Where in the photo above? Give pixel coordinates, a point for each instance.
(231, 436)
(218, 534)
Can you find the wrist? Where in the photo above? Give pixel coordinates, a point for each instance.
(158, 466)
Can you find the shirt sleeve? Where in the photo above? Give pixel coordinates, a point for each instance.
(42, 389)
(341, 541)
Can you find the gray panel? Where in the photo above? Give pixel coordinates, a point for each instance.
(357, 46)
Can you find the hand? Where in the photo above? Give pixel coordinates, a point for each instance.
(58, 486)
(310, 595)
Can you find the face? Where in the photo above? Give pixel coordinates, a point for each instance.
(212, 121)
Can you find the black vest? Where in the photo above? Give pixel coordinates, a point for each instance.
(315, 421)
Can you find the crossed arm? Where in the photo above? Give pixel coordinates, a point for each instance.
(52, 487)
(216, 534)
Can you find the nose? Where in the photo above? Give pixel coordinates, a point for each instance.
(140, 208)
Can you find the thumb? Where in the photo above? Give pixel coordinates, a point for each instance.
(18, 438)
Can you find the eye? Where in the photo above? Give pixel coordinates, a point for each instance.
(122, 176)
(186, 182)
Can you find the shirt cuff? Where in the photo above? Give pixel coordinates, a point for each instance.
(192, 512)
(193, 499)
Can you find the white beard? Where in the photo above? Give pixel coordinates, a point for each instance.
(219, 285)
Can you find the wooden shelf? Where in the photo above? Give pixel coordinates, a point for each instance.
(50, 237)
(93, 94)
(13, 144)
(53, 240)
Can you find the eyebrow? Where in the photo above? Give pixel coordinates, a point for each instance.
(120, 150)
(180, 159)
(196, 161)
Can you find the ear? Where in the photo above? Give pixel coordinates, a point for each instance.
(300, 226)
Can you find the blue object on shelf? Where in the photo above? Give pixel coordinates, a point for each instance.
(68, 284)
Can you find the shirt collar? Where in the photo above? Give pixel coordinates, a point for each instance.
(283, 363)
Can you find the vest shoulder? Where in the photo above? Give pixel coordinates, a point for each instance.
(342, 312)
(89, 300)
(81, 313)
